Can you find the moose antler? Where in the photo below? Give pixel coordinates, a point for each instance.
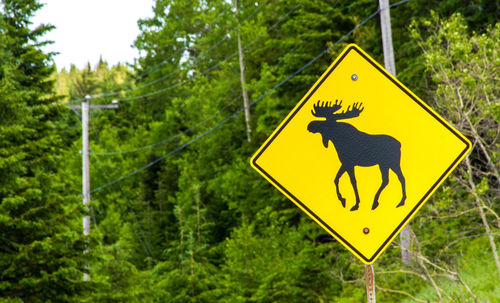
(325, 109)
(350, 113)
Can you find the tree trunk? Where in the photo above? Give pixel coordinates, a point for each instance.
(480, 209)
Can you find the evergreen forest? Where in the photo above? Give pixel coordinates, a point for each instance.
(177, 213)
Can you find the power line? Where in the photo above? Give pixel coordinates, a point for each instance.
(162, 90)
(113, 93)
(179, 148)
(146, 249)
(237, 27)
(169, 138)
(90, 206)
(207, 119)
(203, 121)
(145, 244)
(398, 3)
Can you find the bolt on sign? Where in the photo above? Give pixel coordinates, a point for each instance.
(360, 154)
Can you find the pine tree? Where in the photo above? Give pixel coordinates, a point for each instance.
(41, 250)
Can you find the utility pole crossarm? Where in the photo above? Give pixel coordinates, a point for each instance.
(103, 106)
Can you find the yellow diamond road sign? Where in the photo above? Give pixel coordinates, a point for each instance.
(360, 154)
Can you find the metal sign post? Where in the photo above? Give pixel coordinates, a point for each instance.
(370, 284)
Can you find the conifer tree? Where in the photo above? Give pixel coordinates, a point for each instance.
(41, 250)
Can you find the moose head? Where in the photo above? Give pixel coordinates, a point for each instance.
(327, 110)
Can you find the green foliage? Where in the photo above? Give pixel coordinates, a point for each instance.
(198, 224)
(206, 227)
(465, 69)
(76, 84)
(475, 270)
(41, 255)
(269, 260)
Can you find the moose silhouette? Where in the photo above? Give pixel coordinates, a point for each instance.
(356, 148)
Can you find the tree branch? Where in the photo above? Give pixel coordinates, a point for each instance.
(401, 293)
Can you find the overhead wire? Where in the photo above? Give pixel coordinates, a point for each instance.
(255, 11)
(205, 120)
(181, 147)
(112, 93)
(171, 137)
(94, 219)
(211, 68)
(145, 244)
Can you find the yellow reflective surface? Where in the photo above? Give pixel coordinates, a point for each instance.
(298, 164)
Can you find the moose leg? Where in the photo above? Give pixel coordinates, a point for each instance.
(401, 178)
(337, 178)
(385, 180)
(350, 171)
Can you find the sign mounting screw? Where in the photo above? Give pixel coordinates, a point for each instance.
(354, 77)
(366, 230)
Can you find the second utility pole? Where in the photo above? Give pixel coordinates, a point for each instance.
(242, 79)
(390, 66)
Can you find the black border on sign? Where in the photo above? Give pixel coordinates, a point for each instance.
(368, 260)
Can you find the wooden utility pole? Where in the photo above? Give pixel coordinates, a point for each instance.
(85, 170)
(385, 26)
(242, 79)
(390, 66)
(85, 161)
